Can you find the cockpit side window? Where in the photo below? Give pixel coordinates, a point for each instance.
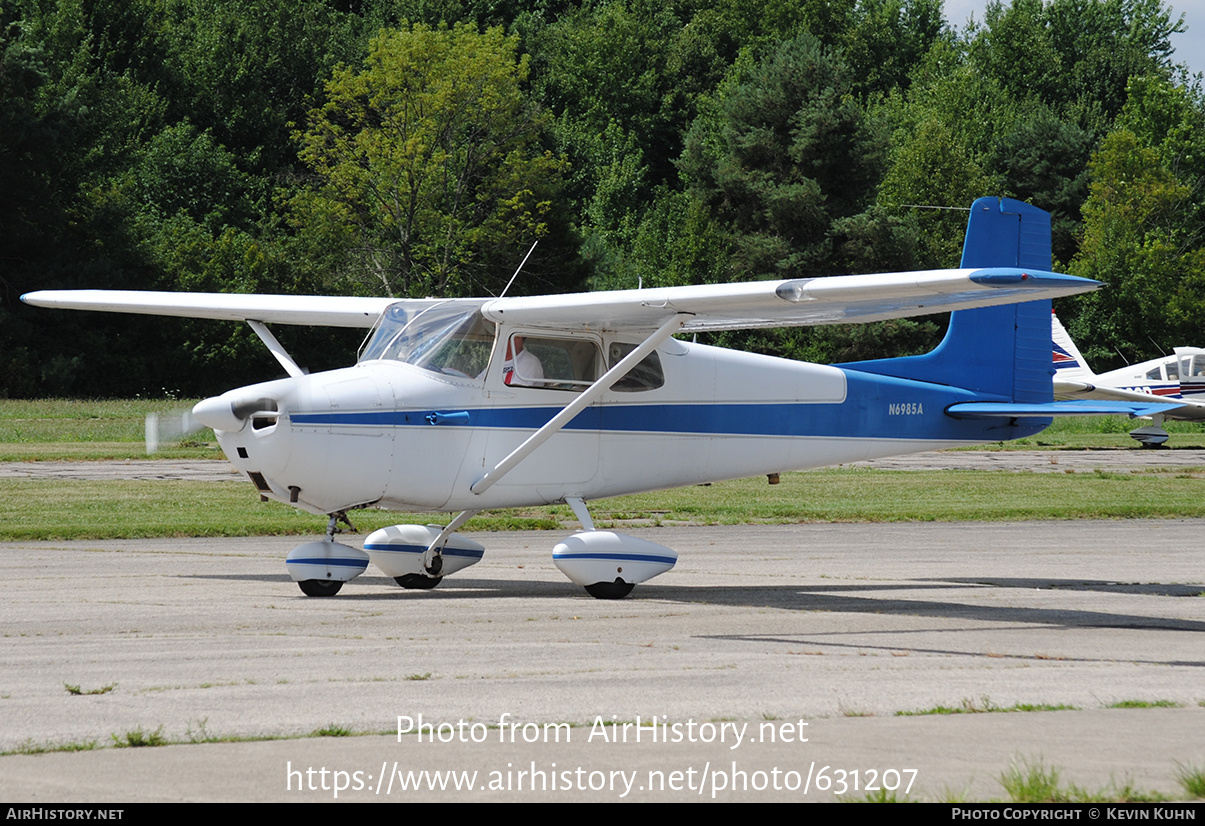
(647, 375)
(550, 363)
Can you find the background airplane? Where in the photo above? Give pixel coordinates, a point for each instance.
(439, 413)
(1179, 377)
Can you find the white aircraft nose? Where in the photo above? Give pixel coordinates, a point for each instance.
(218, 412)
(230, 411)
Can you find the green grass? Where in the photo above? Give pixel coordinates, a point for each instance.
(31, 747)
(125, 509)
(75, 690)
(1032, 781)
(137, 738)
(1192, 779)
(985, 706)
(70, 429)
(333, 730)
(1103, 432)
(1144, 704)
(196, 732)
(1028, 781)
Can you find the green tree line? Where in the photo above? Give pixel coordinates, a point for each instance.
(419, 147)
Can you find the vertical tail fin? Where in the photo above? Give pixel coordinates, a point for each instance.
(1002, 351)
(1068, 363)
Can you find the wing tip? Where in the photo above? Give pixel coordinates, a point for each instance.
(1016, 276)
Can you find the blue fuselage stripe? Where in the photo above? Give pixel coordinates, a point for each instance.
(875, 406)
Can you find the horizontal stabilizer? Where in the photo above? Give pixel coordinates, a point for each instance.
(993, 410)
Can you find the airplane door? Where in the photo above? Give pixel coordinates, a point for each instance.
(525, 392)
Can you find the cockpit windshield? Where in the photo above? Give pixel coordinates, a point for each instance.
(450, 338)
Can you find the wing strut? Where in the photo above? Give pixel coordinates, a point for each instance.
(588, 397)
(282, 355)
(435, 549)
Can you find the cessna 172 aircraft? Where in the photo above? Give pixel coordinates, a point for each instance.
(459, 405)
(1180, 376)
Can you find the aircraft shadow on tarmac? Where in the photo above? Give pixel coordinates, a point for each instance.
(843, 598)
(1156, 589)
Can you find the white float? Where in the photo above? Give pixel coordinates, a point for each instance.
(398, 551)
(609, 564)
(321, 567)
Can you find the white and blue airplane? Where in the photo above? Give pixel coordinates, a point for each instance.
(1179, 377)
(458, 405)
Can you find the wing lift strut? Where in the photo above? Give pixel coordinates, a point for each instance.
(432, 559)
(277, 349)
(607, 564)
(584, 400)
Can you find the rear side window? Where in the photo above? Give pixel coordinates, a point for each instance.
(647, 375)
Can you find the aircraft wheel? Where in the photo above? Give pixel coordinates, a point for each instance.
(610, 590)
(320, 587)
(418, 582)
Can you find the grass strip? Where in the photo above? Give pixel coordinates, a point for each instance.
(126, 509)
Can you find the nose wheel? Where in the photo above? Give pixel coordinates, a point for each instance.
(610, 590)
(320, 568)
(319, 587)
(417, 582)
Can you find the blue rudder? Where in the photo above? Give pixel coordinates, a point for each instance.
(1000, 351)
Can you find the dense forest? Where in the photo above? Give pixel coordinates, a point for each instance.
(419, 147)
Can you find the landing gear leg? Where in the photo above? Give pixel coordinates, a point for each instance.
(433, 559)
(1153, 435)
(320, 568)
(332, 524)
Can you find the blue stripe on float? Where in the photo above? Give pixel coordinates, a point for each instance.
(665, 560)
(337, 562)
(421, 549)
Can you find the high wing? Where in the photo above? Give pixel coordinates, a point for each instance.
(322, 311)
(796, 302)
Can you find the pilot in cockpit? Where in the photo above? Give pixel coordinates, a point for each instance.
(522, 368)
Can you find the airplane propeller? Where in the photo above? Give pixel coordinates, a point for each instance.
(169, 427)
